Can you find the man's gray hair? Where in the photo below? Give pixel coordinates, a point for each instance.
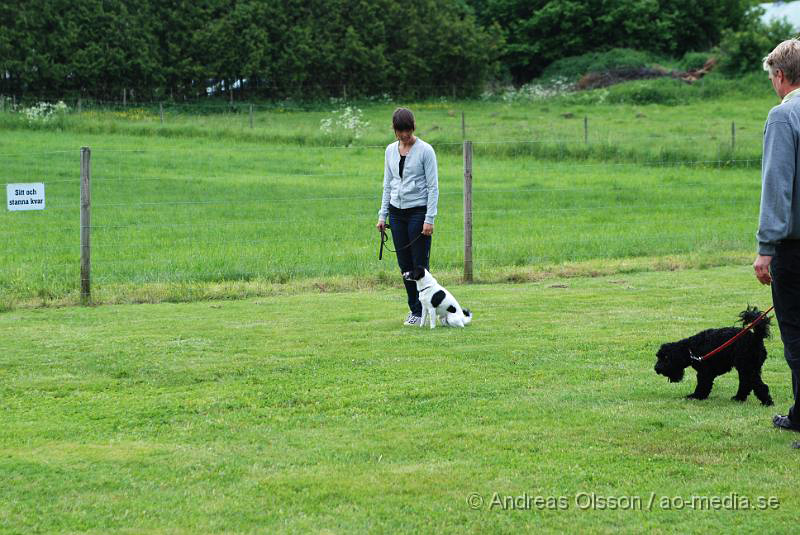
(785, 57)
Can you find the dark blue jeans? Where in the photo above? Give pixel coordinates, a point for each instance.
(406, 228)
(785, 271)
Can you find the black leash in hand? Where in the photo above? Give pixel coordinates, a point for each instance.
(385, 238)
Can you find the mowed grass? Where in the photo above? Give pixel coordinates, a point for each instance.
(320, 413)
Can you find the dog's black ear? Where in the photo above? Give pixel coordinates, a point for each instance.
(749, 315)
(418, 273)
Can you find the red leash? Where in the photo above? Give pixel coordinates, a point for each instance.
(732, 340)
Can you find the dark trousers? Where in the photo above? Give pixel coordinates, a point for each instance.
(785, 270)
(407, 228)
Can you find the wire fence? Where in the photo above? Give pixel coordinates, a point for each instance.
(538, 130)
(205, 214)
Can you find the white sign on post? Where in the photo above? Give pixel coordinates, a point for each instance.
(25, 196)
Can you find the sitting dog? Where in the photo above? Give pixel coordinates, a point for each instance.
(437, 301)
(747, 354)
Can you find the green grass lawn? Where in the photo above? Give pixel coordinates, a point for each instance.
(304, 405)
(319, 413)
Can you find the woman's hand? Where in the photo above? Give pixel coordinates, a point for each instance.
(427, 229)
(381, 226)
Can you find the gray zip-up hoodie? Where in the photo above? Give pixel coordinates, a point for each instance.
(780, 186)
(419, 185)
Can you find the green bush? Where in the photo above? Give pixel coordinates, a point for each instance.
(539, 32)
(743, 51)
(667, 91)
(754, 84)
(671, 91)
(574, 67)
(693, 60)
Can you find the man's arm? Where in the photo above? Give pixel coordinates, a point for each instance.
(778, 170)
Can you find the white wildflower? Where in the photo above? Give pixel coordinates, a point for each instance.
(350, 120)
(44, 111)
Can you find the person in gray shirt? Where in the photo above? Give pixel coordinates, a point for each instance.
(778, 260)
(410, 198)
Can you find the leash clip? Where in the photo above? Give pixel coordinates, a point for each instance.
(694, 357)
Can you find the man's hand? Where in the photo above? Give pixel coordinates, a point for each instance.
(427, 229)
(761, 266)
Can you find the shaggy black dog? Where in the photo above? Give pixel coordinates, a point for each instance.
(747, 354)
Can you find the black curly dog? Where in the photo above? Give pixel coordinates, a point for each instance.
(747, 354)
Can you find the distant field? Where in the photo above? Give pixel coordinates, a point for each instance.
(206, 199)
(696, 128)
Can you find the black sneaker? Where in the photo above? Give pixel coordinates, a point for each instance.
(783, 422)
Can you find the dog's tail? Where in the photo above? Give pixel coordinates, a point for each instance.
(750, 315)
(467, 315)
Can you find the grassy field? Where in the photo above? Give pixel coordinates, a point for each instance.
(320, 413)
(696, 125)
(267, 385)
(205, 200)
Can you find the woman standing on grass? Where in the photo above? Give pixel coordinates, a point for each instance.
(410, 196)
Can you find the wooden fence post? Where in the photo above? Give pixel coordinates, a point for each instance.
(586, 129)
(463, 127)
(86, 206)
(124, 98)
(161, 111)
(733, 137)
(251, 116)
(468, 211)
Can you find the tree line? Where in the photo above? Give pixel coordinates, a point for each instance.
(314, 49)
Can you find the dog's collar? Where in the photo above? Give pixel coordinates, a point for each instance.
(425, 288)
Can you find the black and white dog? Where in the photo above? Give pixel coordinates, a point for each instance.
(437, 301)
